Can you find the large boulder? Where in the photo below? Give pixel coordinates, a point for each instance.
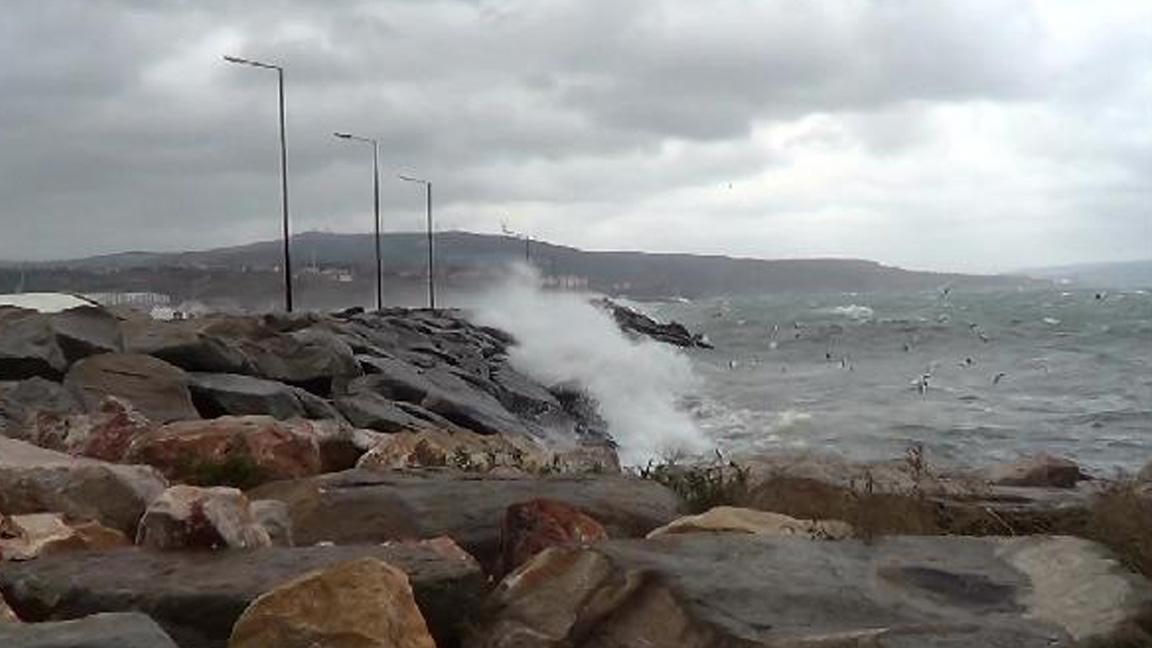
(119, 630)
(188, 517)
(730, 519)
(185, 345)
(154, 387)
(35, 480)
(358, 506)
(28, 346)
(20, 400)
(533, 526)
(311, 358)
(237, 451)
(724, 590)
(104, 434)
(197, 596)
(364, 603)
(235, 394)
(439, 391)
(1041, 470)
(86, 330)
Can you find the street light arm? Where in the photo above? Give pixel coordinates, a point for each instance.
(244, 61)
(411, 179)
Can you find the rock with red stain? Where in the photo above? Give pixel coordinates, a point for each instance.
(533, 526)
(104, 434)
(189, 517)
(241, 451)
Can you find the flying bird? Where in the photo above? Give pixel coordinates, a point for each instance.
(998, 378)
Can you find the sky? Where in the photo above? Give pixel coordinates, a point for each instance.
(974, 136)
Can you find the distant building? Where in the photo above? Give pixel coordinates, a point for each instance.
(566, 282)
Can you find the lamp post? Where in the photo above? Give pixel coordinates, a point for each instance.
(375, 208)
(283, 173)
(431, 262)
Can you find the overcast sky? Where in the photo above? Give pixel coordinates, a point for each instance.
(969, 135)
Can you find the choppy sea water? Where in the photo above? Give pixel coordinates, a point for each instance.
(842, 373)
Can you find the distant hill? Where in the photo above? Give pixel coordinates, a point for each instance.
(466, 258)
(1120, 274)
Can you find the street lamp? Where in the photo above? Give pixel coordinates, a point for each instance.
(431, 263)
(283, 173)
(375, 207)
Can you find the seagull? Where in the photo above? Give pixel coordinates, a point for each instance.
(998, 378)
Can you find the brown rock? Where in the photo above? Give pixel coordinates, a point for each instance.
(205, 518)
(42, 534)
(35, 480)
(730, 519)
(532, 527)
(157, 389)
(240, 451)
(1042, 470)
(365, 603)
(463, 450)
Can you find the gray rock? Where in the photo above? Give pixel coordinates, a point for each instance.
(22, 398)
(28, 346)
(117, 630)
(375, 412)
(196, 596)
(358, 506)
(311, 358)
(273, 516)
(182, 344)
(441, 392)
(222, 394)
(1041, 470)
(155, 388)
(719, 591)
(35, 480)
(522, 395)
(86, 330)
(316, 407)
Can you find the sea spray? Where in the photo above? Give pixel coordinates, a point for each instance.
(637, 383)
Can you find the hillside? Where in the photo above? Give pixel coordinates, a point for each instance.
(464, 260)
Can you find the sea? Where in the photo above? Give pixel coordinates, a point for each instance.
(975, 377)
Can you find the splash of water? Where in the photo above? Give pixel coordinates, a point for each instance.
(561, 337)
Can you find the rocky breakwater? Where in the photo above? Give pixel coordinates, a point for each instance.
(266, 466)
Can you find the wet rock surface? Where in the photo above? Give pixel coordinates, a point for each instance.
(636, 323)
(197, 596)
(154, 387)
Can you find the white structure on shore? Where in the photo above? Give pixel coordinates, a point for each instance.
(45, 302)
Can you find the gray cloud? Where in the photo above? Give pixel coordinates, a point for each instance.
(863, 128)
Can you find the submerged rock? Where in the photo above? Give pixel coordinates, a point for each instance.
(197, 596)
(364, 603)
(713, 590)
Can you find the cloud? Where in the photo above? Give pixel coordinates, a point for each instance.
(981, 135)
